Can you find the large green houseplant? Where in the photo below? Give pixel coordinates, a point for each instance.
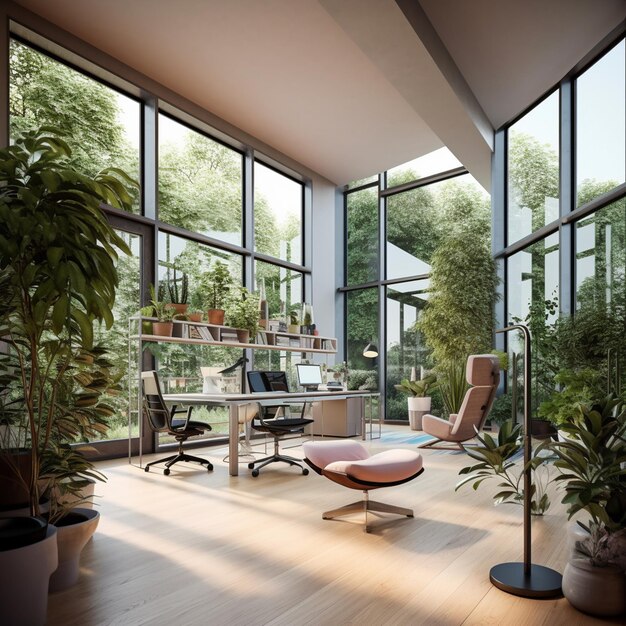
(58, 277)
(592, 462)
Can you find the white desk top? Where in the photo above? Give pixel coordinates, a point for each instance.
(271, 396)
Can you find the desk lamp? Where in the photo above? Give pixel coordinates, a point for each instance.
(370, 351)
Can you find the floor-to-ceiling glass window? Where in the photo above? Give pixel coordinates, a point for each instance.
(196, 215)
(565, 166)
(421, 203)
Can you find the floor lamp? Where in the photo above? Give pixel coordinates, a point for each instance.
(526, 579)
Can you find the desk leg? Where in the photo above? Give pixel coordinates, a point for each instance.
(233, 439)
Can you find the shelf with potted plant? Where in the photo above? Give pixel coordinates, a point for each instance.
(191, 333)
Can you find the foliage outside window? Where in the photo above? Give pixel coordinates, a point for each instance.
(283, 288)
(600, 126)
(362, 236)
(534, 170)
(434, 162)
(200, 182)
(532, 295)
(406, 348)
(362, 315)
(100, 124)
(278, 207)
(417, 220)
(458, 319)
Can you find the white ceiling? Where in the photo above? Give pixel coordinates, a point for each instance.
(349, 88)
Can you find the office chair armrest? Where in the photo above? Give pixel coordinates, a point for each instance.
(175, 410)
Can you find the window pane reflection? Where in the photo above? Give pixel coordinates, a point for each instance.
(278, 204)
(600, 126)
(534, 170)
(200, 182)
(405, 346)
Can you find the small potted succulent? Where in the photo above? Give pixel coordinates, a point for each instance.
(242, 313)
(178, 293)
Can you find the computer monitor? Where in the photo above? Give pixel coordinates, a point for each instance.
(262, 381)
(309, 376)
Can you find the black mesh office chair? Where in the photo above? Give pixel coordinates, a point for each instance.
(161, 420)
(268, 419)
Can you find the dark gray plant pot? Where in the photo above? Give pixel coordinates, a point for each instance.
(24, 578)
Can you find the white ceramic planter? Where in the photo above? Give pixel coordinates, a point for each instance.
(24, 576)
(418, 407)
(598, 591)
(71, 541)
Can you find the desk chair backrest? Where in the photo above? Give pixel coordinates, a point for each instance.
(159, 416)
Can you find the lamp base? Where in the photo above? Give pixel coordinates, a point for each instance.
(542, 582)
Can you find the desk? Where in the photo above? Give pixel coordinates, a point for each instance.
(234, 400)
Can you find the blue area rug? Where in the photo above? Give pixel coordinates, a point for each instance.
(411, 437)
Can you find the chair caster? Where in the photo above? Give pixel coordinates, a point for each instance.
(305, 471)
(146, 469)
(255, 472)
(209, 468)
(166, 471)
(250, 465)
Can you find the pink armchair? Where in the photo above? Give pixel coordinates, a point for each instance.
(350, 464)
(483, 373)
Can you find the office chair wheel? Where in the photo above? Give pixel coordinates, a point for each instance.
(250, 465)
(166, 471)
(146, 468)
(305, 471)
(255, 472)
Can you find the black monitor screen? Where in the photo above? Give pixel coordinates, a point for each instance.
(309, 375)
(267, 381)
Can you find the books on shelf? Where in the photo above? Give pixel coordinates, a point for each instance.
(229, 335)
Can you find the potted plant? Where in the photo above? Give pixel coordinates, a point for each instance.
(294, 326)
(164, 313)
(592, 461)
(178, 294)
(195, 315)
(242, 313)
(418, 401)
(215, 285)
(496, 459)
(57, 277)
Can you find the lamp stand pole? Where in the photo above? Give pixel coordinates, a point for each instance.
(526, 579)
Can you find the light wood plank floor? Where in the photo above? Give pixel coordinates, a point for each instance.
(200, 548)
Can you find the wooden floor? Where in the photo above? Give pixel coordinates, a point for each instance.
(207, 548)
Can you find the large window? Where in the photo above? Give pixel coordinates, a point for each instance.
(101, 125)
(278, 208)
(362, 258)
(533, 167)
(600, 130)
(200, 182)
(601, 257)
(419, 218)
(405, 345)
(568, 285)
(200, 208)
